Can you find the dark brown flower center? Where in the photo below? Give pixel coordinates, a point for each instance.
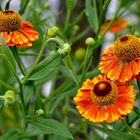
(104, 93)
(10, 21)
(124, 38)
(102, 88)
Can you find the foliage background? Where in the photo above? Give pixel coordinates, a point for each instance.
(77, 20)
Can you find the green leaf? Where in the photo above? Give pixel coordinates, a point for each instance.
(27, 91)
(45, 67)
(31, 133)
(49, 126)
(68, 73)
(5, 50)
(23, 5)
(116, 135)
(91, 16)
(70, 92)
(126, 2)
(38, 101)
(11, 134)
(137, 131)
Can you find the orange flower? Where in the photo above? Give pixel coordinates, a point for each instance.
(100, 100)
(16, 31)
(122, 60)
(117, 26)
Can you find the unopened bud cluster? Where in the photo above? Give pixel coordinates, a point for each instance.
(65, 49)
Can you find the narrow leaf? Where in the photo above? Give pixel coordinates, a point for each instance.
(5, 50)
(8, 134)
(45, 67)
(49, 126)
(27, 91)
(91, 16)
(116, 135)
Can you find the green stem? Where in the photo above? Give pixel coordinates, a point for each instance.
(8, 86)
(131, 130)
(69, 65)
(2, 98)
(67, 19)
(85, 64)
(11, 67)
(40, 54)
(18, 59)
(23, 109)
(104, 125)
(31, 54)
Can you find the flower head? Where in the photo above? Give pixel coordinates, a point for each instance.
(100, 100)
(122, 60)
(117, 26)
(16, 31)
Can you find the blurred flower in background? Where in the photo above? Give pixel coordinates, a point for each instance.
(117, 26)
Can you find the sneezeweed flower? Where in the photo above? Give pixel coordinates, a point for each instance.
(122, 60)
(117, 26)
(16, 31)
(101, 99)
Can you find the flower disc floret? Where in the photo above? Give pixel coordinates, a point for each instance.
(10, 21)
(127, 48)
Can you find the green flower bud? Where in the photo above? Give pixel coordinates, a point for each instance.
(39, 112)
(72, 125)
(66, 48)
(9, 98)
(47, 5)
(129, 23)
(38, 11)
(53, 31)
(89, 41)
(80, 54)
(75, 29)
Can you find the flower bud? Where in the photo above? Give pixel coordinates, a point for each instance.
(80, 54)
(72, 125)
(75, 29)
(39, 112)
(89, 41)
(53, 31)
(66, 48)
(9, 98)
(38, 11)
(47, 5)
(129, 23)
